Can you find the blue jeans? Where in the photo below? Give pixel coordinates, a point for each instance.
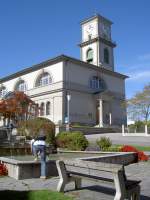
(33, 150)
(42, 150)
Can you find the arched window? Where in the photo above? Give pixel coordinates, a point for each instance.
(89, 56)
(43, 79)
(42, 109)
(106, 56)
(48, 105)
(97, 83)
(21, 86)
(3, 91)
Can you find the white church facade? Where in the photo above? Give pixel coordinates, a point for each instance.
(87, 91)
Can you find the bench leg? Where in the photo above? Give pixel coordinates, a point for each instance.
(77, 183)
(135, 194)
(64, 178)
(61, 186)
(119, 185)
(62, 175)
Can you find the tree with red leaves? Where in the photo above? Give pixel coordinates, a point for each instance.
(16, 107)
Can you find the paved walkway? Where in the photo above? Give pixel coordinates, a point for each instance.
(89, 191)
(117, 138)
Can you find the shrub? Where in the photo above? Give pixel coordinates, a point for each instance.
(3, 170)
(30, 128)
(104, 143)
(141, 154)
(113, 149)
(63, 139)
(72, 140)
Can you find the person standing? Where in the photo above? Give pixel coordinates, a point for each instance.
(40, 149)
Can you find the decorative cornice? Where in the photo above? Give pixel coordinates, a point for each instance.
(47, 92)
(99, 38)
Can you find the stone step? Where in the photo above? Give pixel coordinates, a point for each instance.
(96, 130)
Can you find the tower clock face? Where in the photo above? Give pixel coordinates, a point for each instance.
(90, 28)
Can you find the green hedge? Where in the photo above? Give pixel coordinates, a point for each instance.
(72, 140)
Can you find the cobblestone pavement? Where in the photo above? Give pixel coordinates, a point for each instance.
(90, 190)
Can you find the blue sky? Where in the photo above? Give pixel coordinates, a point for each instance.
(35, 30)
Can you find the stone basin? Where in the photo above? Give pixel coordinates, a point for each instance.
(24, 167)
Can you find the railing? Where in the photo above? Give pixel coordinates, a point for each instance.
(134, 131)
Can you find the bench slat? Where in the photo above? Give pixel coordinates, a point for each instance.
(94, 178)
(107, 167)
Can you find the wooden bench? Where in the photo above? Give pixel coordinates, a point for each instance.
(75, 170)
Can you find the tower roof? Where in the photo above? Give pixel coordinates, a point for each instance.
(96, 16)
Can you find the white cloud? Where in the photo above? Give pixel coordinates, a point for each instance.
(140, 75)
(130, 69)
(144, 57)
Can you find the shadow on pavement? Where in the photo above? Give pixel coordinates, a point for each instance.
(97, 188)
(106, 190)
(144, 197)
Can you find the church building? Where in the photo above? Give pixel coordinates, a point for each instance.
(85, 90)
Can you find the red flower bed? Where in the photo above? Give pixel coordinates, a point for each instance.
(3, 170)
(141, 154)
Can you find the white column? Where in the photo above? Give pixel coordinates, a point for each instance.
(100, 112)
(110, 119)
(68, 110)
(123, 130)
(146, 130)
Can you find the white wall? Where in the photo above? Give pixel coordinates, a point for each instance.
(82, 103)
(81, 75)
(56, 108)
(56, 71)
(82, 107)
(45, 93)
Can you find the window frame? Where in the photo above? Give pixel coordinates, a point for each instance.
(106, 56)
(43, 79)
(89, 58)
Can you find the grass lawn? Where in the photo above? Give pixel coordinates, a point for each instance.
(32, 195)
(140, 148)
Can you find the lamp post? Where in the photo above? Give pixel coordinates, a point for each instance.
(68, 109)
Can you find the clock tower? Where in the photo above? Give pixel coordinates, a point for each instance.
(97, 45)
